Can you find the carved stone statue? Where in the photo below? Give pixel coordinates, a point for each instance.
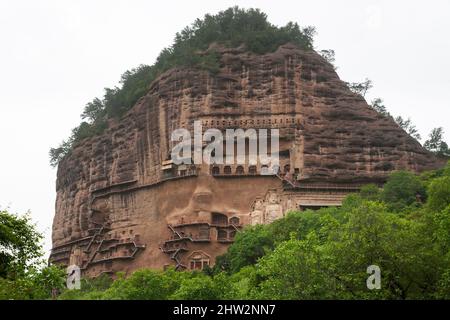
(273, 210)
(257, 215)
(290, 206)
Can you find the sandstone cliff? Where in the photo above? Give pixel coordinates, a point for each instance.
(329, 135)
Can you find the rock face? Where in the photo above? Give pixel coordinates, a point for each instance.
(122, 204)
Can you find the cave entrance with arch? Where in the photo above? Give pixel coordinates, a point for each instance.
(219, 219)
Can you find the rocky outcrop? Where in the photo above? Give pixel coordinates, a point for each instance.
(121, 204)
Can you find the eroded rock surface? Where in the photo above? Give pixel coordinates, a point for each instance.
(121, 204)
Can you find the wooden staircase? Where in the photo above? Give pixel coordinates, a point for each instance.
(96, 241)
(286, 181)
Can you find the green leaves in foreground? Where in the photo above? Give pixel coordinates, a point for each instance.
(320, 254)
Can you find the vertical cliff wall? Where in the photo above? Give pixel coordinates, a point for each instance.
(121, 204)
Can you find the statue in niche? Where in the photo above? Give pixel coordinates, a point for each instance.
(274, 210)
(76, 257)
(256, 216)
(290, 206)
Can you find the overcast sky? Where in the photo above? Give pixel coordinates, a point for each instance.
(55, 56)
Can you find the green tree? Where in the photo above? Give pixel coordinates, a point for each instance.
(256, 241)
(93, 111)
(146, 285)
(329, 55)
(199, 287)
(46, 281)
(408, 126)
(373, 236)
(19, 244)
(248, 247)
(57, 154)
(436, 144)
(370, 192)
(23, 275)
(360, 88)
(437, 227)
(242, 283)
(294, 271)
(403, 189)
(439, 193)
(443, 289)
(91, 289)
(378, 105)
(38, 283)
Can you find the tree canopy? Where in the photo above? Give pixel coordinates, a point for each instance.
(360, 88)
(23, 273)
(436, 143)
(321, 254)
(19, 243)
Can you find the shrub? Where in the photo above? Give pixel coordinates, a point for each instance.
(402, 190)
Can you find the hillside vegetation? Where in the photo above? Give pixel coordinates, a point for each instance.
(231, 28)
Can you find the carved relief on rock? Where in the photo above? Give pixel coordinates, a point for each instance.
(257, 213)
(274, 210)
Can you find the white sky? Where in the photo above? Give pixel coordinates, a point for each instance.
(55, 56)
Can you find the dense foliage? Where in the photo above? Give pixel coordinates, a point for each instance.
(191, 48)
(19, 243)
(404, 228)
(23, 275)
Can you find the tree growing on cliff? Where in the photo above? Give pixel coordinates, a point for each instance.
(19, 244)
(408, 126)
(57, 154)
(93, 111)
(377, 104)
(329, 55)
(436, 143)
(360, 88)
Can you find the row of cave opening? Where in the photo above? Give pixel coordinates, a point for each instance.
(252, 170)
(202, 232)
(222, 219)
